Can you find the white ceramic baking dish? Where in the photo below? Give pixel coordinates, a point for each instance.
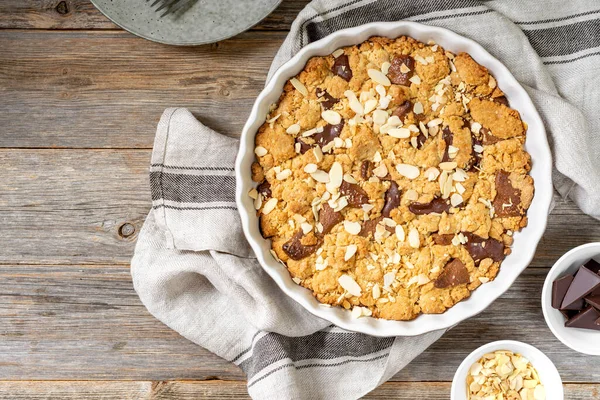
(525, 241)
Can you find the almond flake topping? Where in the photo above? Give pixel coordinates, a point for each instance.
(380, 117)
(349, 284)
(258, 202)
(404, 69)
(377, 157)
(353, 102)
(293, 129)
(412, 195)
(418, 108)
(448, 166)
(318, 154)
(400, 233)
(456, 199)
(337, 53)
(388, 279)
(370, 105)
(253, 194)
(306, 227)
(352, 228)
(331, 117)
(475, 127)
(378, 77)
(408, 171)
(420, 59)
(400, 133)
(269, 206)
(310, 168)
(385, 67)
(283, 175)
(336, 174)
(460, 175)
(413, 238)
(415, 79)
(478, 148)
(320, 176)
(432, 173)
(299, 86)
(376, 291)
(260, 151)
(350, 251)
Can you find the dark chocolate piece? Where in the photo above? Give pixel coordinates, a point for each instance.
(329, 218)
(568, 314)
(586, 319)
(329, 133)
(396, 75)
(392, 199)
(559, 289)
(296, 250)
(593, 266)
(507, 200)
(264, 188)
(448, 138)
(368, 227)
(585, 282)
(593, 301)
(437, 205)
(327, 100)
(402, 110)
(341, 67)
(421, 139)
(487, 138)
(366, 169)
(304, 147)
(356, 195)
(480, 248)
(502, 100)
(454, 273)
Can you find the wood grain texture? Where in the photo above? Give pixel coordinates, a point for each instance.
(89, 321)
(66, 206)
(108, 89)
(81, 14)
(223, 390)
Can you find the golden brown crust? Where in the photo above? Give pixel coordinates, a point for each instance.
(392, 176)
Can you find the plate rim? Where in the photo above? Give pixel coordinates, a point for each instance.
(178, 43)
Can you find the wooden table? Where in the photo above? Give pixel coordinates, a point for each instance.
(80, 99)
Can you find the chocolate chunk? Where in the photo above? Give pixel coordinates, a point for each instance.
(395, 72)
(366, 169)
(480, 248)
(585, 282)
(442, 239)
(421, 139)
(403, 109)
(329, 133)
(329, 218)
(296, 250)
(507, 200)
(392, 199)
(341, 67)
(264, 188)
(476, 157)
(568, 314)
(593, 266)
(368, 227)
(437, 205)
(304, 147)
(356, 195)
(327, 100)
(487, 138)
(448, 137)
(502, 100)
(559, 289)
(593, 301)
(586, 319)
(454, 273)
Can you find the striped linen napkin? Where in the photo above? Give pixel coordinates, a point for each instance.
(194, 270)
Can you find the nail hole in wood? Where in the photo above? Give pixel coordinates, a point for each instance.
(126, 230)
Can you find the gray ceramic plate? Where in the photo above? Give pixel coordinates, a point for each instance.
(204, 21)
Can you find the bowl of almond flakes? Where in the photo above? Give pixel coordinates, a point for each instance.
(507, 370)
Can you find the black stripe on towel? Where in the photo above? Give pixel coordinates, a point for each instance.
(566, 39)
(192, 188)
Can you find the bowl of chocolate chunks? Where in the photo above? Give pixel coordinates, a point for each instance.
(571, 299)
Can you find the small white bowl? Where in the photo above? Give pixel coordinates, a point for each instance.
(548, 373)
(581, 340)
(525, 242)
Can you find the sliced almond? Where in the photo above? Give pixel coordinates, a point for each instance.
(336, 175)
(349, 284)
(318, 154)
(456, 200)
(258, 202)
(337, 53)
(283, 175)
(380, 117)
(293, 129)
(350, 251)
(415, 79)
(353, 102)
(376, 291)
(269, 205)
(432, 173)
(331, 117)
(408, 171)
(478, 148)
(299, 86)
(377, 157)
(378, 77)
(381, 171)
(260, 151)
(310, 168)
(320, 176)
(418, 108)
(448, 165)
(352, 228)
(475, 127)
(253, 194)
(370, 105)
(412, 195)
(399, 230)
(413, 238)
(460, 175)
(306, 228)
(459, 188)
(400, 133)
(385, 67)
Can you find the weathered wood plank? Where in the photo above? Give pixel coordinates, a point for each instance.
(192, 390)
(89, 321)
(81, 14)
(66, 206)
(108, 89)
